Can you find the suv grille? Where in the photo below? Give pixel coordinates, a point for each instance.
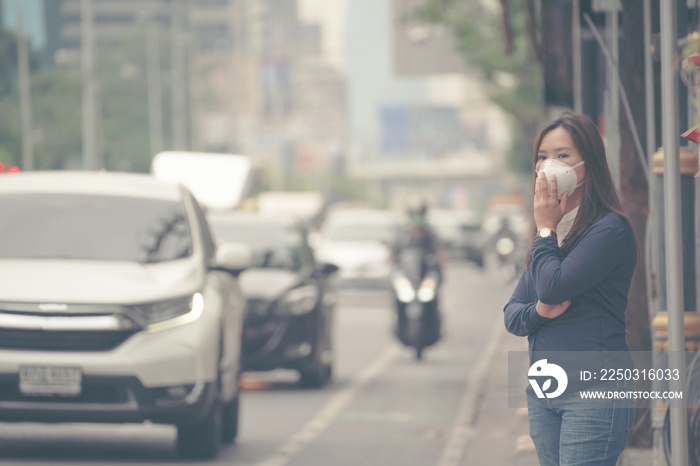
(62, 340)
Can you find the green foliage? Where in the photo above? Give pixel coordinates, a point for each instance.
(124, 108)
(56, 92)
(514, 81)
(55, 118)
(56, 114)
(8, 61)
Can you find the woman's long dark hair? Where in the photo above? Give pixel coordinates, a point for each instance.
(599, 194)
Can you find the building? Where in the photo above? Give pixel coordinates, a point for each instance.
(417, 125)
(233, 62)
(39, 23)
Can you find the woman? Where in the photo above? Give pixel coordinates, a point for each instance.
(572, 294)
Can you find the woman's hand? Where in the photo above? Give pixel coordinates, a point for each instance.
(550, 311)
(548, 209)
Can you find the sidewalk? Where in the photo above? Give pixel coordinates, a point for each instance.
(501, 435)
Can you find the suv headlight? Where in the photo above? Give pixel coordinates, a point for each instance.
(299, 301)
(165, 315)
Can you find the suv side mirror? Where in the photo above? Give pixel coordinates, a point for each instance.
(233, 257)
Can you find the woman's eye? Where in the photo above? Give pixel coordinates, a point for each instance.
(562, 156)
(541, 157)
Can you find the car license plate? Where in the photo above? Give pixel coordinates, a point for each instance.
(50, 380)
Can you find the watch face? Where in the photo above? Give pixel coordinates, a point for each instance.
(544, 232)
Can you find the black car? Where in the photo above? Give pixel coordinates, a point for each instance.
(290, 300)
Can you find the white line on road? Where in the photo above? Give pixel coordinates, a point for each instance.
(463, 427)
(331, 410)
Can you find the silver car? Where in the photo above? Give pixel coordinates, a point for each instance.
(117, 307)
(359, 242)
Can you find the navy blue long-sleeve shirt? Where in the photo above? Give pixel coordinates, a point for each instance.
(595, 275)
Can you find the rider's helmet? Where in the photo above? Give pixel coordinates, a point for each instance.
(416, 210)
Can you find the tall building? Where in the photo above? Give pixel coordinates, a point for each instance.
(417, 125)
(239, 59)
(39, 23)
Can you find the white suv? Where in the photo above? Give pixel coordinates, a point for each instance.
(116, 306)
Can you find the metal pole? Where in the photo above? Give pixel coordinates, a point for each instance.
(576, 35)
(614, 124)
(88, 68)
(25, 98)
(179, 125)
(652, 237)
(232, 50)
(192, 52)
(649, 84)
(155, 112)
(672, 211)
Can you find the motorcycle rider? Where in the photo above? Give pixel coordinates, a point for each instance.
(417, 235)
(508, 247)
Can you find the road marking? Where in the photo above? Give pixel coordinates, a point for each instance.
(399, 417)
(331, 410)
(463, 427)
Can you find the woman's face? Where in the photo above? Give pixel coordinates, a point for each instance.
(558, 145)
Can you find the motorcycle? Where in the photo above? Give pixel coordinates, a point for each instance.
(415, 284)
(509, 257)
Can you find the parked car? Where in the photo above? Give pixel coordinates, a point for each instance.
(359, 242)
(117, 307)
(289, 323)
(459, 233)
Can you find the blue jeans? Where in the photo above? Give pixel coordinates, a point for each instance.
(571, 431)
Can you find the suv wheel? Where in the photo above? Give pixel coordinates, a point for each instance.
(229, 420)
(203, 439)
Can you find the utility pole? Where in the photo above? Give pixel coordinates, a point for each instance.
(177, 65)
(235, 36)
(191, 53)
(576, 55)
(612, 122)
(25, 98)
(155, 112)
(672, 222)
(87, 51)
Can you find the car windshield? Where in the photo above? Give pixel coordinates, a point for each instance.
(274, 246)
(382, 232)
(92, 227)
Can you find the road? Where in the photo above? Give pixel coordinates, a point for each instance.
(383, 407)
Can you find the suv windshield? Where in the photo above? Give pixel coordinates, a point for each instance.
(274, 246)
(79, 226)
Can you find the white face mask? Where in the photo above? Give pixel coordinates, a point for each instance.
(566, 176)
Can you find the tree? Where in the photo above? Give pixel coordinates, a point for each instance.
(57, 110)
(8, 61)
(497, 41)
(10, 141)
